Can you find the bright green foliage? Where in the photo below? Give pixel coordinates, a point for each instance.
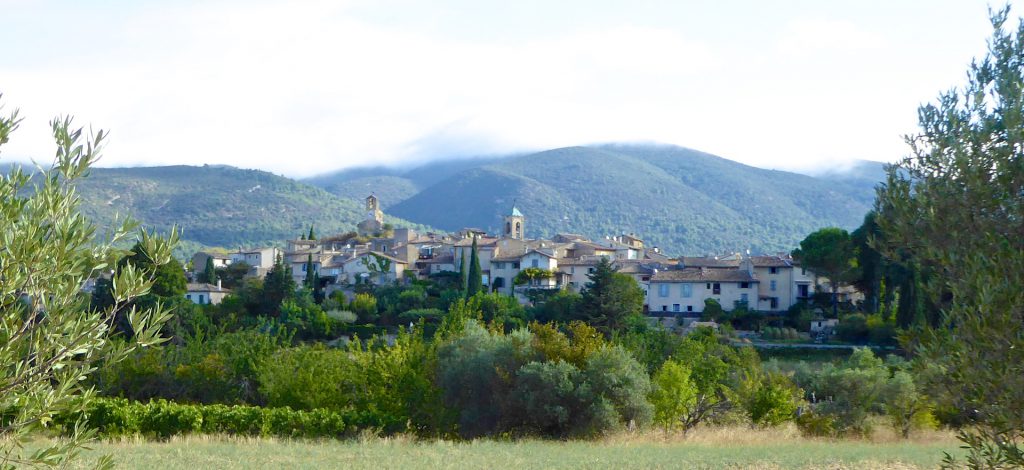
(365, 307)
(829, 252)
(474, 279)
(50, 340)
(528, 275)
(163, 419)
(954, 208)
(611, 300)
(499, 309)
(307, 320)
(673, 394)
(774, 400)
(168, 278)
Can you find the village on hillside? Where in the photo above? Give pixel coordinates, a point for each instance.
(676, 289)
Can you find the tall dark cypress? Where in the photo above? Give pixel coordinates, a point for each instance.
(475, 279)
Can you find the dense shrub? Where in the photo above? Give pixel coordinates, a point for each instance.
(162, 419)
(850, 393)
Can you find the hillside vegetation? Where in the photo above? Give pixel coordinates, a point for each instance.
(218, 205)
(681, 200)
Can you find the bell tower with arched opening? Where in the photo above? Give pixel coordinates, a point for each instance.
(515, 224)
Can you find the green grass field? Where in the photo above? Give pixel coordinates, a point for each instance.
(719, 448)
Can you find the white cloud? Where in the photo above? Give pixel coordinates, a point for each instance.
(301, 88)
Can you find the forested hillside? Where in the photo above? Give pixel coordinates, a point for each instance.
(682, 200)
(218, 205)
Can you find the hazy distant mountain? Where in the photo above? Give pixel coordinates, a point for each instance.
(218, 205)
(682, 200)
(393, 185)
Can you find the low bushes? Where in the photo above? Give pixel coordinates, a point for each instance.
(113, 417)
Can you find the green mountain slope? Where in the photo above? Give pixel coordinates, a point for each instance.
(679, 199)
(218, 205)
(393, 185)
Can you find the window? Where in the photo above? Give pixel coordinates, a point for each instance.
(773, 270)
(773, 285)
(743, 298)
(689, 308)
(675, 307)
(802, 290)
(803, 271)
(645, 278)
(687, 290)
(663, 290)
(708, 286)
(535, 262)
(515, 265)
(774, 303)
(664, 308)
(496, 265)
(188, 296)
(717, 290)
(590, 270)
(744, 285)
(572, 269)
(201, 300)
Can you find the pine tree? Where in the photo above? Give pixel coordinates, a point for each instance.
(610, 299)
(474, 281)
(277, 286)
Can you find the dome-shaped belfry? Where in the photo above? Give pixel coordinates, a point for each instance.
(515, 224)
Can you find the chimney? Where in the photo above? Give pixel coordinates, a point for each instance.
(218, 283)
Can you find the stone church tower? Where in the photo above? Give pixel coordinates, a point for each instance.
(515, 224)
(374, 222)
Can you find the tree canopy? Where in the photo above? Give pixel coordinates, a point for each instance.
(955, 208)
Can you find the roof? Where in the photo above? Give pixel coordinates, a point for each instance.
(703, 275)
(771, 261)
(382, 255)
(215, 255)
(515, 212)
(204, 287)
(480, 242)
(707, 262)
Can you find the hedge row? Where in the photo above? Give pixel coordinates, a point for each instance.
(162, 419)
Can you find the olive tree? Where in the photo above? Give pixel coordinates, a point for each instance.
(50, 339)
(955, 205)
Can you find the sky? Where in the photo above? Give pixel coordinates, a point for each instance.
(306, 87)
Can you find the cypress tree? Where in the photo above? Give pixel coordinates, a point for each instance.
(310, 271)
(209, 272)
(312, 236)
(475, 281)
(463, 279)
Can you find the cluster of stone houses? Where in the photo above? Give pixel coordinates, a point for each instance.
(673, 286)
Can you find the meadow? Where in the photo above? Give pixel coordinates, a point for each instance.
(728, 447)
